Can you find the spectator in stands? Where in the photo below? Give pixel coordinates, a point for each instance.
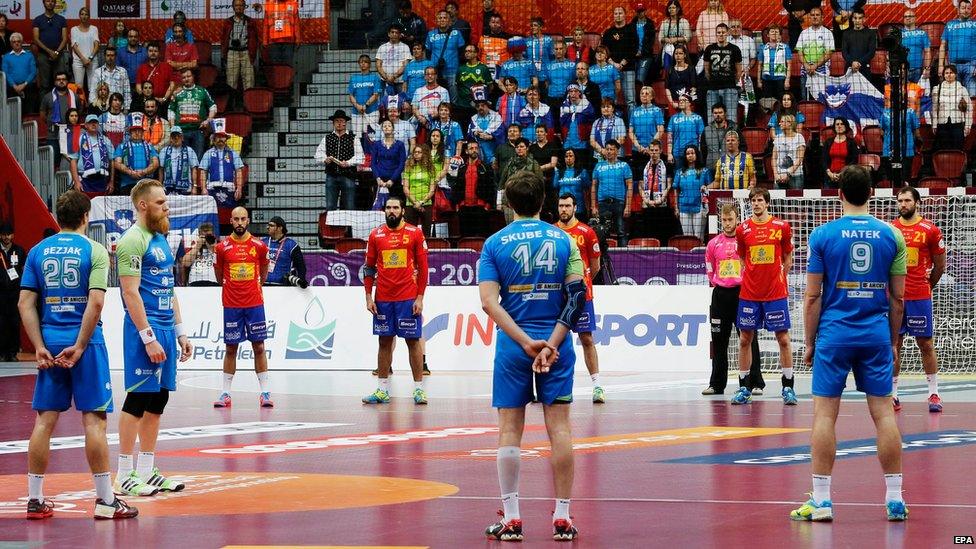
(681, 79)
(407, 115)
(774, 66)
(691, 183)
(365, 90)
(403, 131)
(388, 158)
(576, 117)
(646, 125)
(606, 75)
(20, 69)
(98, 103)
(709, 19)
(450, 130)
(435, 141)
(132, 56)
(160, 73)
(135, 158)
(113, 120)
(859, 45)
(609, 127)
(119, 37)
(443, 45)
(535, 113)
(538, 46)
(839, 151)
(735, 169)
(12, 260)
(341, 152)
(70, 134)
(588, 88)
(747, 47)
(286, 262)
(658, 219)
(684, 128)
(675, 31)
(952, 117)
(282, 30)
(5, 34)
(485, 127)
(621, 43)
(471, 74)
(199, 260)
(578, 51)
(723, 72)
(909, 136)
(519, 68)
(419, 184)
(558, 73)
(426, 99)
(457, 23)
(91, 165)
(179, 19)
(574, 180)
(383, 14)
(50, 45)
(843, 11)
(414, 27)
(919, 47)
(221, 169)
(156, 126)
(416, 71)
(54, 107)
(84, 46)
(115, 76)
(180, 53)
(788, 152)
(473, 192)
(487, 12)
(814, 47)
(142, 93)
(786, 105)
(546, 152)
(494, 45)
(391, 59)
(522, 161)
(239, 44)
(510, 104)
(177, 164)
(797, 11)
(192, 108)
(610, 191)
(714, 136)
(506, 151)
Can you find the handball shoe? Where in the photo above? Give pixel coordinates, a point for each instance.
(39, 509)
(813, 511)
(896, 510)
(419, 396)
(265, 400)
(118, 509)
(563, 530)
(789, 396)
(742, 396)
(935, 404)
(505, 531)
(378, 396)
(599, 396)
(132, 485)
(162, 483)
(223, 401)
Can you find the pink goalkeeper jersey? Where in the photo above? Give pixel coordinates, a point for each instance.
(722, 262)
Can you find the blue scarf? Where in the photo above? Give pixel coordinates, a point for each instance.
(86, 156)
(127, 155)
(181, 184)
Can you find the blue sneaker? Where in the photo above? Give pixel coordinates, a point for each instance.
(897, 511)
(419, 396)
(813, 511)
(742, 396)
(378, 396)
(789, 396)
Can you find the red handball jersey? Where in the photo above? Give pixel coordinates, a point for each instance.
(761, 247)
(589, 247)
(400, 259)
(923, 241)
(238, 265)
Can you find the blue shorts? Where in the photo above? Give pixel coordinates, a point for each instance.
(872, 366)
(513, 376)
(917, 320)
(244, 324)
(141, 375)
(773, 316)
(587, 320)
(396, 318)
(88, 382)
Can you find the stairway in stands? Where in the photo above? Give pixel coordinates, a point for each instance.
(284, 178)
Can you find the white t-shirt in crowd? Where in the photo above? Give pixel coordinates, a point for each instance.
(393, 57)
(788, 151)
(85, 40)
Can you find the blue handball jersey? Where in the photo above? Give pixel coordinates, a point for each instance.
(148, 256)
(856, 255)
(62, 269)
(530, 260)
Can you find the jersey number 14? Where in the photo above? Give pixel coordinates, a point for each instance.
(544, 258)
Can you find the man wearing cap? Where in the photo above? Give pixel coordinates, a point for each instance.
(12, 259)
(342, 153)
(286, 262)
(91, 165)
(221, 169)
(576, 116)
(485, 127)
(135, 158)
(177, 164)
(392, 58)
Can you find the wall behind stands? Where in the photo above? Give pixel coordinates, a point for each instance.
(638, 328)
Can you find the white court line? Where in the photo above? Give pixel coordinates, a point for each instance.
(717, 501)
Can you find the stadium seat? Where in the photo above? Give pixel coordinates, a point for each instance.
(661, 95)
(762, 119)
(934, 183)
(643, 243)
(917, 161)
(685, 243)
(239, 123)
(813, 112)
(826, 133)
(438, 243)
(926, 139)
(873, 139)
(281, 79)
(879, 63)
(612, 243)
(346, 245)
(934, 30)
(837, 65)
(949, 164)
(222, 100)
(204, 53)
(329, 234)
(871, 161)
(471, 243)
(206, 75)
(259, 102)
(756, 140)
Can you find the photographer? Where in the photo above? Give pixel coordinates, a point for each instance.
(200, 259)
(286, 265)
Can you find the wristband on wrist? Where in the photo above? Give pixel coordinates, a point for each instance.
(180, 330)
(147, 336)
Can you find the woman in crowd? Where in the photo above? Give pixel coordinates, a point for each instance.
(952, 111)
(4, 35)
(113, 120)
(84, 46)
(119, 37)
(70, 134)
(839, 151)
(179, 18)
(787, 105)
(684, 128)
(100, 103)
(573, 180)
(788, 151)
(450, 130)
(708, 19)
(690, 183)
(681, 78)
(388, 158)
(578, 50)
(675, 31)
(605, 75)
(419, 184)
(608, 126)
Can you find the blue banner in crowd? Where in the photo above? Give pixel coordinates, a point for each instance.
(114, 215)
(851, 96)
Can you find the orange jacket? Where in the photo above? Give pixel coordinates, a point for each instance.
(281, 23)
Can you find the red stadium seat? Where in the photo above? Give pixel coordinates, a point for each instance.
(239, 123)
(329, 234)
(281, 79)
(259, 102)
(206, 75)
(826, 133)
(222, 100)
(837, 65)
(755, 141)
(926, 138)
(592, 39)
(684, 243)
(813, 114)
(612, 243)
(346, 245)
(871, 161)
(471, 243)
(949, 164)
(661, 95)
(934, 183)
(879, 63)
(885, 28)
(204, 52)
(873, 139)
(643, 243)
(917, 161)
(438, 243)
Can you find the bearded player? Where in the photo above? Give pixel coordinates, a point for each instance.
(766, 247)
(242, 267)
(926, 264)
(589, 248)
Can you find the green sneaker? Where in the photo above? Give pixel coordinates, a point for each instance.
(419, 396)
(598, 395)
(162, 483)
(813, 511)
(132, 485)
(378, 396)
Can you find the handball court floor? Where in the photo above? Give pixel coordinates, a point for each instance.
(657, 465)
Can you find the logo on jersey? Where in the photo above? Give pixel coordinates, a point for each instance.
(123, 218)
(314, 337)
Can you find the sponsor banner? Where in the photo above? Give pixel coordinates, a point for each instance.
(117, 9)
(65, 8)
(14, 9)
(114, 215)
(847, 449)
(164, 9)
(641, 329)
(222, 9)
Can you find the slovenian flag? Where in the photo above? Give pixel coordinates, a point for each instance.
(850, 96)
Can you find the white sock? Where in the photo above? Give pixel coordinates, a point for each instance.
(893, 487)
(145, 464)
(103, 487)
(418, 385)
(509, 462)
(125, 465)
(385, 384)
(228, 381)
(263, 381)
(595, 378)
(562, 509)
(894, 387)
(821, 488)
(35, 486)
(788, 372)
(933, 381)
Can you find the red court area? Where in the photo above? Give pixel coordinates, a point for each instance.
(653, 469)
